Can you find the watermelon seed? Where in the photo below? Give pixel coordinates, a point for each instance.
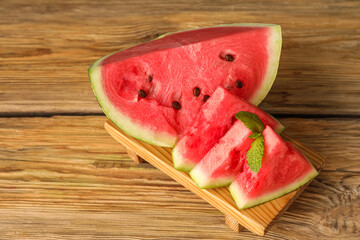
(206, 97)
(150, 78)
(229, 58)
(176, 105)
(239, 84)
(142, 93)
(196, 92)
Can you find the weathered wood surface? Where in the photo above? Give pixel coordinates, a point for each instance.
(47, 46)
(66, 178)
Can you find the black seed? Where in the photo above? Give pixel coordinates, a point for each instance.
(229, 58)
(239, 84)
(150, 78)
(206, 97)
(142, 93)
(196, 92)
(176, 105)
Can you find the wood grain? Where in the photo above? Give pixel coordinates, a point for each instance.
(233, 224)
(64, 177)
(256, 219)
(133, 156)
(47, 46)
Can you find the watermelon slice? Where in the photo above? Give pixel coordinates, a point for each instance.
(155, 90)
(213, 121)
(221, 164)
(283, 170)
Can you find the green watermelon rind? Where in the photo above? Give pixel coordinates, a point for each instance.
(204, 182)
(274, 52)
(183, 164)
(239, 197)
(280, 128)
(180, 163)
(138, 131)
(121, 120)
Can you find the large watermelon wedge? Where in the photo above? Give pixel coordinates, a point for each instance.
(215, 118)
(283, 169)
(154, 91)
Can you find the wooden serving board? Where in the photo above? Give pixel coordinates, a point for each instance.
(257, 219)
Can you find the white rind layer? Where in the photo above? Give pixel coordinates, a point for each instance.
(202, 179)
(274, 51)
(242, 201)
(181, 163)
(164, 139)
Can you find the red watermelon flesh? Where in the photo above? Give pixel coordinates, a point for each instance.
(148, 90)
(283, 170)
(221, 164)
(213, 121)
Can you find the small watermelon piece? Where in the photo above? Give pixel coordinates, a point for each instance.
(154, 91)
(221, 164)
(213, 121)
(283, 169)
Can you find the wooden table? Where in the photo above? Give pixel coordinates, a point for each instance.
(63, 177)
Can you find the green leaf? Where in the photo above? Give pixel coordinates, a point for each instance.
(251, 121)
(255, 154)
(255, 135)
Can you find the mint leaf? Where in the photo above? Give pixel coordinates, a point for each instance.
(255, 135)
(251, 121)
(255, 154)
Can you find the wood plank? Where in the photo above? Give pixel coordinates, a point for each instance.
(64, 177)
(233, 224)
(43, 67)
(256, 219)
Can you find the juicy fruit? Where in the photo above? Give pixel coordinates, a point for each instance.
(212, 122)
(221, 164)
(283, 170)
(155, 90)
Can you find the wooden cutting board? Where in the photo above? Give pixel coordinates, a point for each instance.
(257, 219)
